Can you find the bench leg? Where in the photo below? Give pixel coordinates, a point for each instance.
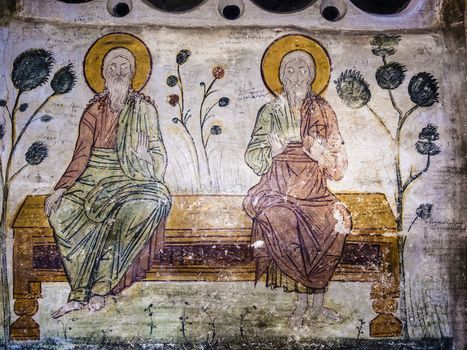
(24, 327)
(384, 294)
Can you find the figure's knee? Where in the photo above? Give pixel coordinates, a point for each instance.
(343, 219)
(280, 215)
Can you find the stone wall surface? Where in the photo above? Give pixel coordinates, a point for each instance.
(435, 248)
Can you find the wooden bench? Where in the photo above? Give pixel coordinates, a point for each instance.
(207, 239)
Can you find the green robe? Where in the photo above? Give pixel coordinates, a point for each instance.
(274, 117)
(110, 213)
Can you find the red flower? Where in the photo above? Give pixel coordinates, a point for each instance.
(218, 72)
(173, 100)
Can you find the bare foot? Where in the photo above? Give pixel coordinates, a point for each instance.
(96, 303)
(296, 319)
(68, 307)
(324, 312)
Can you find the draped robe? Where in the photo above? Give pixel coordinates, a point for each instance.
(299, 226)
(106, 226)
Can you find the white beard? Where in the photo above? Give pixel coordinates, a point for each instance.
(118, 88)
(296, 93)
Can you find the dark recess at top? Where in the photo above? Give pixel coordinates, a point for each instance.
(174, 5)
(381, 7)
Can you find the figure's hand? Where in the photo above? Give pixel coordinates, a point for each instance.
(142, 147)
(53, 201)
(315, 148)
(277, 144)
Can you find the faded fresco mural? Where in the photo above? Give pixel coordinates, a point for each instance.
(176, 187)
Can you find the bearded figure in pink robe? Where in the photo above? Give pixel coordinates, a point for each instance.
(299, 226)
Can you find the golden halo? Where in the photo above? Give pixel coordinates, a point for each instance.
(273, 55)
(96, 53)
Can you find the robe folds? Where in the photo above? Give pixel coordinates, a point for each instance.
(106, 226)
(299, 226)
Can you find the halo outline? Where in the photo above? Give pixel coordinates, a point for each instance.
(94, 59)
(283, 46)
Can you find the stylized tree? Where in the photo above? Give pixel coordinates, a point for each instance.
(206, 131)
(31, 69)
(423, 92)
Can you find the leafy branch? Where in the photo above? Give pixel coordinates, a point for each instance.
(178, 100)
(423, 91)
(31, 69)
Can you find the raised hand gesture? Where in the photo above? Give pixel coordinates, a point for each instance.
(142, 148)
(277, 144)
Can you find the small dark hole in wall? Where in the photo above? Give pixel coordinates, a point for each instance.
(231, 12)
(121, 9)
(331, 13)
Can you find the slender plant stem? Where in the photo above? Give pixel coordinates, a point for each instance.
(4, 273)
(400, 213)
(207, 140)
(407, 114)
(181, 113)
(183, 123)
(412, 178)
(399, 195)
(4, 233)
(13, 117)
(393, 102)
(6, 181)
(413, 222)
(182, 97)
(380, 121)
(206, 115)
(201, 125)
(195, 151)
(9, 112)
(17, 173)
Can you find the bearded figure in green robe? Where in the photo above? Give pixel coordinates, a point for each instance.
(107, 207)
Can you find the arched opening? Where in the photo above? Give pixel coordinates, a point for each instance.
(381, 7)
(283, 6)
(75, 1)
(174, 5)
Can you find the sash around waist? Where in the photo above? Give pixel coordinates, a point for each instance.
(104, 158)
(293, 152)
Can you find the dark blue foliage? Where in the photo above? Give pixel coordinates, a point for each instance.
(36, 153)
(216, 130)
(46, 118)
(2, 103)
(31, 69)
(390, 76)
(353, 89)
(182, 56)
(64, 80)
(429, 133)
(424, 211)
(23, 107)
(172, 80)
(224, 101)
(423, 89)
(427, 148)
(385, 44)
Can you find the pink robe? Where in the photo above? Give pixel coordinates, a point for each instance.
(297, 236)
